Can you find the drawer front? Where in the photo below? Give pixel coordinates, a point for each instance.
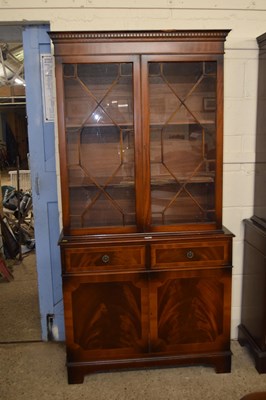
(104, 258)
(191, 254)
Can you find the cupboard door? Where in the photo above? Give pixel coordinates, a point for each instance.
(99, 103)
(182, 99)
(191, 310)
(106, 316)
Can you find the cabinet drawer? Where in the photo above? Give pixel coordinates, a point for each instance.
(104, 258)
(193, 253)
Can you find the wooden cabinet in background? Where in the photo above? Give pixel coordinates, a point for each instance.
(146, 262)
(252, 330)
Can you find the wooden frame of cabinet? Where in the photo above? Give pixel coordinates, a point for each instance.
(146, 261)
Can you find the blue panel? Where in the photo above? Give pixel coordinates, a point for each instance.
(42, 162)
(49, 153)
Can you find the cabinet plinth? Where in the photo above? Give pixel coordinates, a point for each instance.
(146, 263)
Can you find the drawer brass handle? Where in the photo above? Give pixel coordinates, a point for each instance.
(105, 259)
(190, 254)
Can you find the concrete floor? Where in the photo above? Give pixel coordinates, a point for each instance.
(19, 304)
(31, 369)
(36, 371)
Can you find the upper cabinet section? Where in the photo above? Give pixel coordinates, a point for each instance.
(140, 119)
(260, 165)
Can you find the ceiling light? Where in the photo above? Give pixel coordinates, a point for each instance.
(19, 81)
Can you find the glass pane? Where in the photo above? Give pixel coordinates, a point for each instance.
(100, 144)
(182, 98)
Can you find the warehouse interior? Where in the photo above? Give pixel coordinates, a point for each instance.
(14, 158)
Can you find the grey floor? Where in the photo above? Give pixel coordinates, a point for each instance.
(31, 369)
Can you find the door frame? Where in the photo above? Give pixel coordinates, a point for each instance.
(41, 136)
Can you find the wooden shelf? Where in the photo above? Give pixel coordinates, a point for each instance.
(158, 181)
(131, 126)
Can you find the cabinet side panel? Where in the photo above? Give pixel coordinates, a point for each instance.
(253, 315)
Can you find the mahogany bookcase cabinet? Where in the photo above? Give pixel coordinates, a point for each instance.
(146, 262)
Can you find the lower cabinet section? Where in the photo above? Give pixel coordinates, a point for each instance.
(146, 318)
(252, 330)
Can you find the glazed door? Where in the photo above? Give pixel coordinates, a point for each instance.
(181, 128)
(100, 164)
(106, 316)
